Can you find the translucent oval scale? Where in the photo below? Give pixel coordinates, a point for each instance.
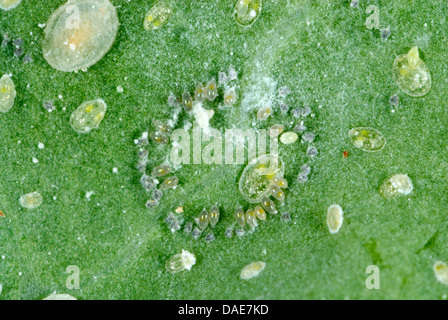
(187, 101)
(277, 193)
(79, 34)
(199, 93)
(88, 116)
(159, 137)
(157, 16)
(214, 216)
(203, 219)
(230, 97)
(7, 93)
(260, 213)
(257, 177)
(247, 11)
(280, 182)
(288, 137)
(240, 217)
(169, 183)
(335, 218)
(252, 270)
(31, 200)
(441, 271)
(211, 90)
(412, 74)
(180, 262)
(367, 139)
(276, 130)
(396, 185)
(161, 171)
(268, 205)
(264, 113)
(161, 126)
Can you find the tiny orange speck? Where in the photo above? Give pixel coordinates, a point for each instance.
(345, 154)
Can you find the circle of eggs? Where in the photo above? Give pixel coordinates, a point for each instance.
(79, 34)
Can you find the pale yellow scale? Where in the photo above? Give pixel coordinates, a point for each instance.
(247, 11)
(412, 74)
(252, 270)
(180, 262)
(441, 271)
(335, 218)
(88, 116)
(367, 139)
(7, 93)
(396, 185)
(31, 200)
(157, 16)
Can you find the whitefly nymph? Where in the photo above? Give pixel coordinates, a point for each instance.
(88, 116)
(7, 93)
(335, 218)
(252, 270)
(157, 16)
(31, 200)
(397, 185)
(288, 137)
(257, 177)
(412, 74)
(247, 11)
(441, 271)
(79, 34)
(367, 139)
(180, 262)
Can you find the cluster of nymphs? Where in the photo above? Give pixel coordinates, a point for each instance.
(150, 182)
(252, 216)
(204, 219)
(208, 219)
(192, 104)
(162, 132)
(201, 94)
(209, 92)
